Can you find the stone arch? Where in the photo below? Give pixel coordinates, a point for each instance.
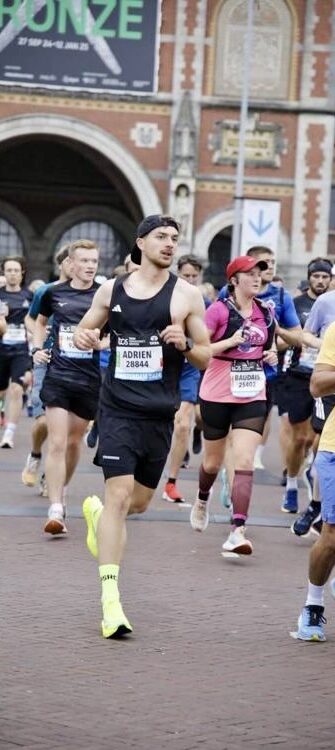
(73, 129)
(222, 219)
(86, 213)
(18, 220)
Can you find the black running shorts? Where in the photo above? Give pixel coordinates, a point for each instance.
(299, 401)
(218, 418)
(13, 368)
(279, 388)
(138, 447)
(80, 400)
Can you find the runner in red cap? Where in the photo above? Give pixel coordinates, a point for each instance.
(232, 393)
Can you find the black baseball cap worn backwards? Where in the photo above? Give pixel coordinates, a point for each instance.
(147, 225)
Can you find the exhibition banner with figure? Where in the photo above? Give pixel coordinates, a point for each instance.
(90, 45)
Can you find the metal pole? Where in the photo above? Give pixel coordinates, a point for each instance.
(238, 202)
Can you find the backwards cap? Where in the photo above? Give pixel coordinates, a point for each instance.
(147, 225)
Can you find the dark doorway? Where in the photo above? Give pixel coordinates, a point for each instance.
(218, 256)
(43, 179)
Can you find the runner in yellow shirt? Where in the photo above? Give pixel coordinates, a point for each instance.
(322, 557)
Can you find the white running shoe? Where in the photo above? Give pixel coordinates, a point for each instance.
(30, 472)
(237, 543)
(199, 518)
(7, 439)
(55, 523)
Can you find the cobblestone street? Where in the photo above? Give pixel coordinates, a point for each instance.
(210, 664)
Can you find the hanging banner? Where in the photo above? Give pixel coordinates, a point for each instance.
(260, 224)
(90, 45)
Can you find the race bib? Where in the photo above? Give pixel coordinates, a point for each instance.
(139, 358)
(308, 357)
(247, 378)
(15, 334)
(67, 347)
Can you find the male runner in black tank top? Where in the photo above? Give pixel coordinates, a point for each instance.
(70, 389)
(150, 313)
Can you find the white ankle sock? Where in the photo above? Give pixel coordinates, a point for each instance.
(291, 483)
(259, 451)
(315, 595)
(55, 508)
(11, 427)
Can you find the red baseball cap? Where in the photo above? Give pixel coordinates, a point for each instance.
(243, 264)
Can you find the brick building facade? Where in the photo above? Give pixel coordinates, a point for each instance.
(79, 163)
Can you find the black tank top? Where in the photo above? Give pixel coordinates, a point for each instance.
(142, 378)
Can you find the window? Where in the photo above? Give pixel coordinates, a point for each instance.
(271, 49)
(10, 240)
(112, 246)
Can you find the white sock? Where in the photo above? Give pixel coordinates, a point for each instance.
(55, 508)
(315, 595)
(259, 451)
(291, 483)
(11, 427)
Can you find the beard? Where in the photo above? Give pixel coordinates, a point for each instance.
(317, 291)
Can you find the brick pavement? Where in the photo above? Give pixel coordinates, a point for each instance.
(210, 664)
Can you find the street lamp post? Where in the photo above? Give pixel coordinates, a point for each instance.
(238, 202)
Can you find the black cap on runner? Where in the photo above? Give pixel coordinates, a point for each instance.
(319, 266)
(147, 225)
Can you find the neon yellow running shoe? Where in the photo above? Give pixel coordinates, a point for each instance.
(114, 623)
(92, 509)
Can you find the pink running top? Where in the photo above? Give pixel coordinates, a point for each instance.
(241, 379)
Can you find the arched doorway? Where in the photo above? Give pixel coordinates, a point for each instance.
(58, 172)
(218, 257)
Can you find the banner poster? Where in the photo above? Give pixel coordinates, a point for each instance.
(89, 45)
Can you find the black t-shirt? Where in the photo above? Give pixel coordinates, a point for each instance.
(15, 340)
(303, 360)
(68, 306)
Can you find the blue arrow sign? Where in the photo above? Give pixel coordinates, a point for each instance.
(260, 228)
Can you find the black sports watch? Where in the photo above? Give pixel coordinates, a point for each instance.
(35, 349)
(188, 347)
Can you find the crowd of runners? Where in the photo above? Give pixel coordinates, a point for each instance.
(150, 364)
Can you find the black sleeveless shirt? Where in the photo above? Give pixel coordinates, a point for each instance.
(142, 379)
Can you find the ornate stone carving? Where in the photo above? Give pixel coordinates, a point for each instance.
(184, 148)
(263, 146)
(271, 49)
(146, 134)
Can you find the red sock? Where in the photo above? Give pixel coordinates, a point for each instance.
(241, 494)
(206, 481)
